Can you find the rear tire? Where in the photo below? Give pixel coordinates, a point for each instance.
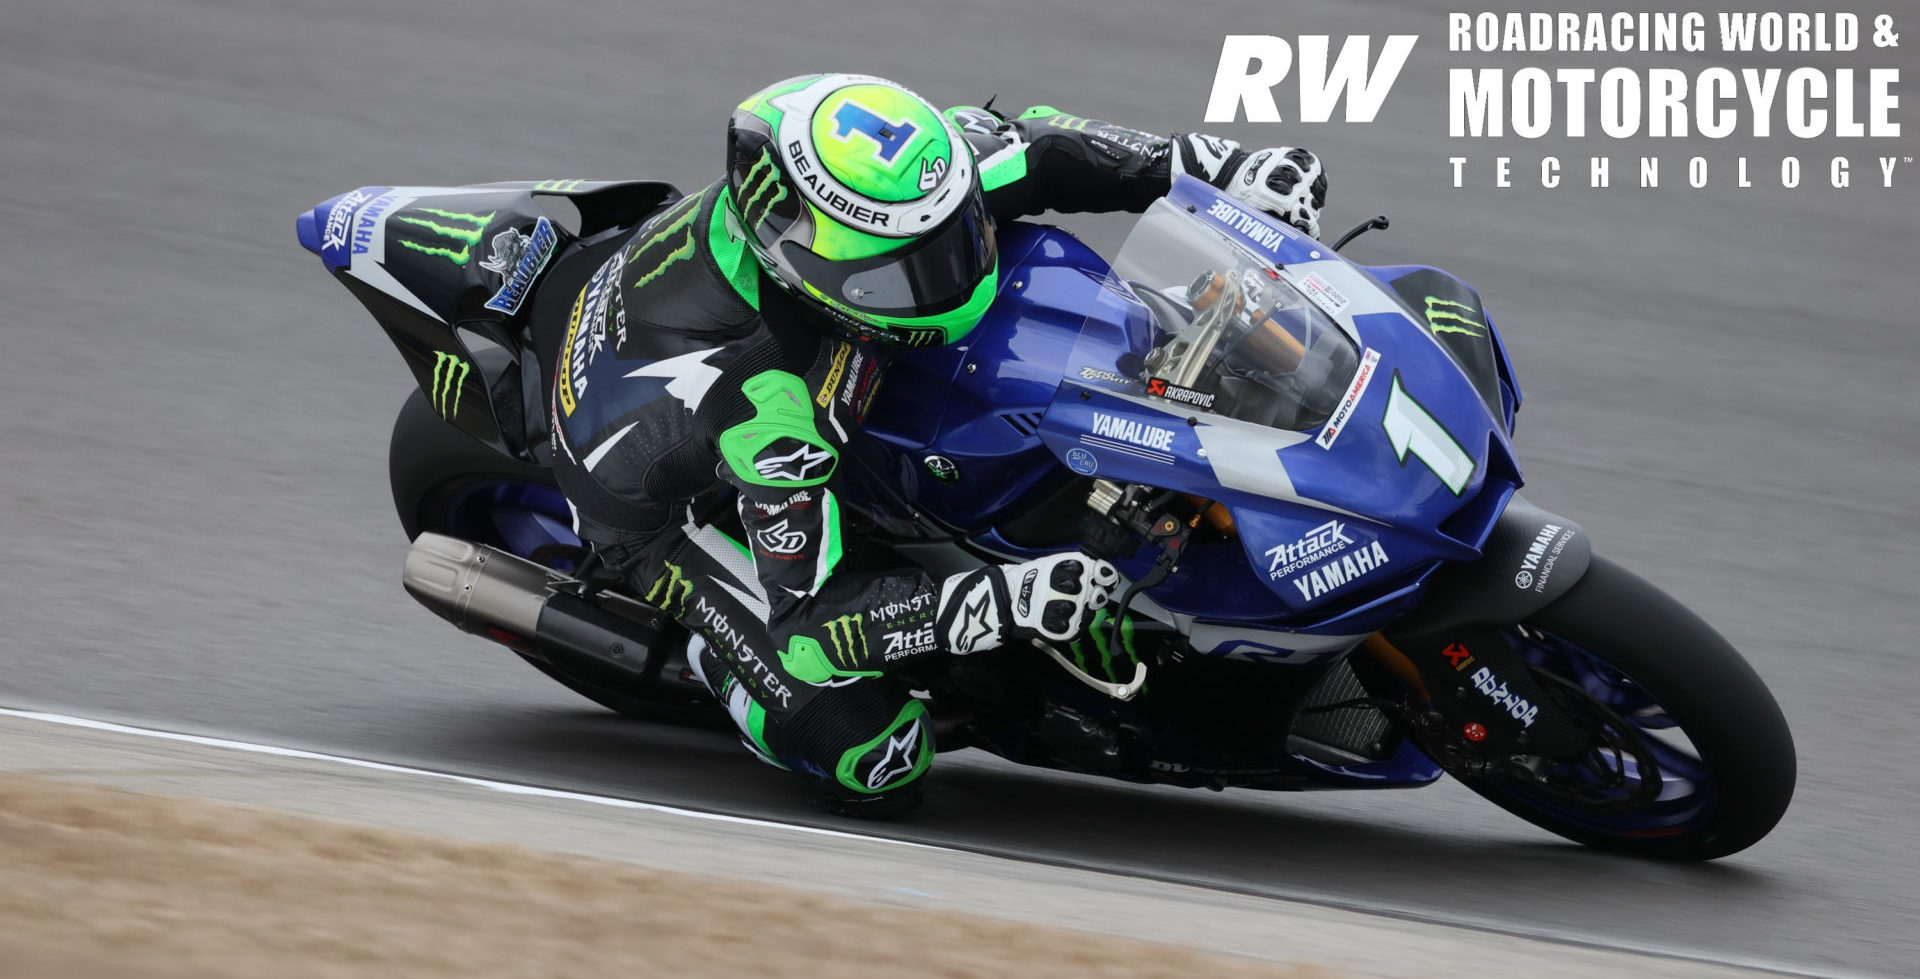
(438, 473)
(1683, 676)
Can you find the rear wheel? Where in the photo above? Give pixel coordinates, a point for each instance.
(446, 482)
(1691, 759)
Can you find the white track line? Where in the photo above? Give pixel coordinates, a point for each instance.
(511, 788)
(1364, 907)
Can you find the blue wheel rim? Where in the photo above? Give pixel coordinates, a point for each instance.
(1689, 795)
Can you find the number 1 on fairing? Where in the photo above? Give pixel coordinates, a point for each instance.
(1412, 429)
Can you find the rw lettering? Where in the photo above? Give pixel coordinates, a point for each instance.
(1252, 65)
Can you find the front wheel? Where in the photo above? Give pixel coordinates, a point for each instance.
(1691, 760)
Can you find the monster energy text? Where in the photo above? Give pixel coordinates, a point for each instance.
(449, 378)
(452, 226)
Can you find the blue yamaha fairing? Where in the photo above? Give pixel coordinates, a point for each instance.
(1339, 522)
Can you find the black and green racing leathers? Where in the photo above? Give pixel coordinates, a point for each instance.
(688, 381)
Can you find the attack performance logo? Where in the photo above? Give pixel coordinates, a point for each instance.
(449, 379)
(447, 234)
(1317, 545)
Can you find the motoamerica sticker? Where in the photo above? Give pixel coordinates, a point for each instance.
(1343, 413)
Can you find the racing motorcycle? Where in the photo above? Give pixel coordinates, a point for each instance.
(1303, 468)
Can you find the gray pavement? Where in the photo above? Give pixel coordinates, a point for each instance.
(192, 459)
(844, 865)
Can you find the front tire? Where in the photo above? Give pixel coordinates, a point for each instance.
(1724, 756)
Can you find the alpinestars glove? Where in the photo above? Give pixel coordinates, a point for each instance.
(1050, 598)
(1284, 181)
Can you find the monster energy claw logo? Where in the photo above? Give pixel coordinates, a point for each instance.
(449, 379)
(845, 632)
(1447, 316)
(763, 177)
(1097, 633)
(559, 186)
(676, 230)
(452, 226)
(670, 590)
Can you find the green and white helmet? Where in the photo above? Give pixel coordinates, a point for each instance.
(863, 201)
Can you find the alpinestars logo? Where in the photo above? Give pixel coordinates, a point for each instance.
(778, 539)
(978, 621)
(449, 379)
(795, 466)
(1447, 316)
(447, 229)
(897, 759)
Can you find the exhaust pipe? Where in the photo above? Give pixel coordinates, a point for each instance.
(611, 640)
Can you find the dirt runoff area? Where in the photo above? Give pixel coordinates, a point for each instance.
(98, 883)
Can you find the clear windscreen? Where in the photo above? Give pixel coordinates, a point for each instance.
(1205, 323)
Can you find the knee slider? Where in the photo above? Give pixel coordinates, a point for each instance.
(893, 760)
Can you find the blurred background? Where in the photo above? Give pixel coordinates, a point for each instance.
(199, 537)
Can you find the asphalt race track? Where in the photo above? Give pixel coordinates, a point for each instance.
(192, 458)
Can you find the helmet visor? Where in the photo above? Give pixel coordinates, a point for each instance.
(934, 274)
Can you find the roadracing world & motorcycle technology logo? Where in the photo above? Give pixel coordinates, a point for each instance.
(1753, 76)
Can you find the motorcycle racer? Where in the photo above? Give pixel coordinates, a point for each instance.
(724, 355)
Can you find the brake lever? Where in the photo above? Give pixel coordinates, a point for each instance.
(1118, 691)
(1172, 534)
